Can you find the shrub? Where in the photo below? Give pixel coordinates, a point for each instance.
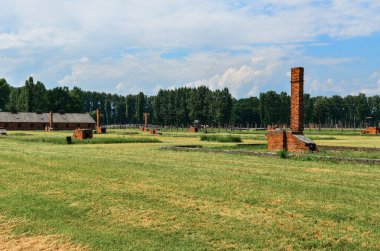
(283, 154)
(218, 138)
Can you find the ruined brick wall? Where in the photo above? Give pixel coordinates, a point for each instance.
(276, 140)
(296, 107)
(292, 141)
(371, 130)
(101, 130)
(281, 140)
(83, 134)
(294, 145)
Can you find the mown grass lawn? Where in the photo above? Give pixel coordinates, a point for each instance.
(138, 197)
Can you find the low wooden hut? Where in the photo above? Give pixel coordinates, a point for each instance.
(40, 121)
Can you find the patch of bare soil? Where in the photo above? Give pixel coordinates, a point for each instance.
(11, 242)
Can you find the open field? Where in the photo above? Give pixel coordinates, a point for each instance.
(136, 196)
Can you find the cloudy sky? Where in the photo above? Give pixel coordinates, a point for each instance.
(249, 46)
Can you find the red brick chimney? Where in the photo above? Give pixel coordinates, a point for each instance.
(146, 119)
(51, 119)
(296, 107)
(293, 141)
(97, 118)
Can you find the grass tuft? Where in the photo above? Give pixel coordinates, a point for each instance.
(322, 138)
(283, 154)
(217, 138)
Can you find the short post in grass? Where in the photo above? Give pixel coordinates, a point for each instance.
(68, 140)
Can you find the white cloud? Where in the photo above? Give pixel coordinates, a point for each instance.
(127, 88)
(84, 60)
(326, 87)
(188, 23)
(254, 92)
(254, 75)
(328, 61)
(121, 86)
(157, 88)
(235, 78)
(100, 45)
(372, 87)
(375, 76)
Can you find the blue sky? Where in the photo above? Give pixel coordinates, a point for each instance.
(127, 46)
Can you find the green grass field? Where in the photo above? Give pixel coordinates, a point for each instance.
(136, 196)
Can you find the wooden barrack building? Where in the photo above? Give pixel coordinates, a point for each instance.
(40, 121)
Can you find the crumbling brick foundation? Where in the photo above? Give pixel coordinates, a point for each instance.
(276, 140)
(152, 131)
(99, 129)
(83, 133)
(371, 130)
(293, 141)
(282, 140)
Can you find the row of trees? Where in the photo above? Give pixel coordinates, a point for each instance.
(272, 108)
(184, 106)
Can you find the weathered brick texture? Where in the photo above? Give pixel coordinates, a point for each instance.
(371, 130)
(296, 107)
(51, 119)
(292, 141)
(276, 140)
(83, 133)
(294, 145)
(97, 117)
(146, 119)
(99, 129)
(282, 140)
(152, 131)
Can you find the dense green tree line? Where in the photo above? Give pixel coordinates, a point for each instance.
(185, 106)
(335, 111)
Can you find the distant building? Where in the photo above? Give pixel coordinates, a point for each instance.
(40, 121)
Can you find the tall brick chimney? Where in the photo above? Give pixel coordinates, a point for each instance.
(51, 119)
(296, 106)
(146, 119)
(98, 117)
(293, 141)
